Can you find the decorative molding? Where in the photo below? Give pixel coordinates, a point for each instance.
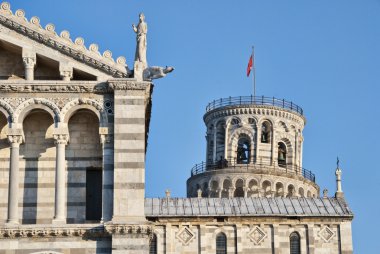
(98, 105)
(125, 229)
(63, 43)
(127, 85)
(185, 235)
(326, 234)
(257, 235)
(44, 232)
(5, 105)
(60, 88)
(36, 101)
(264, 110)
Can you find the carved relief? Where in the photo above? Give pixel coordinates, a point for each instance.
(257, 235)
(28, 88)
(326, 233)
(185, 235)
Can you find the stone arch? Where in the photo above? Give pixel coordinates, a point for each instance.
(218, 231)
(39, 103)
(308, 194)
(214, 186)
(230, 120)
(71, 107)
(7, 110)
(234, 139)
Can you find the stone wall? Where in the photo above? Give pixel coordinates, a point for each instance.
(254, 236)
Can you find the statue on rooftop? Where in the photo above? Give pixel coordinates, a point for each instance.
(141, 29)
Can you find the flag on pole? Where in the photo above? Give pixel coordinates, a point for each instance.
(250, 65)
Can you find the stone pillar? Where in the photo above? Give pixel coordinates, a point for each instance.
(339, 192)
(226, 127)
(107, 190)
(66, 72)
(274, 148)
(15, 141)
(258, 142)
(214, 150)
(245, 189)
(132, 102)
(61, 141)
(29, 59)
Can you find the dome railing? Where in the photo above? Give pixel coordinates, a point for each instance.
(252, 166)
(254, 100)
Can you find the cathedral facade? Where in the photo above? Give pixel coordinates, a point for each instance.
(74, 126)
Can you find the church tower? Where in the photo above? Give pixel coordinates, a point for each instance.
(254, 149)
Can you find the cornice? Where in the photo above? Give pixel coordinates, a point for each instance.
(63, 43)
(253, 109)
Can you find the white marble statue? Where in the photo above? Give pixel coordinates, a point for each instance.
(141, 29)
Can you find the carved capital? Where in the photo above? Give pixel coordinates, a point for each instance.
(61, 139)
(15, 139)
(29, 62)
(66, 72)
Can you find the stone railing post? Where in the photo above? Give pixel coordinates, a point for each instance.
(61, 141)
(15, 141)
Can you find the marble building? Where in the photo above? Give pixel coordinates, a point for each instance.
(74, 125)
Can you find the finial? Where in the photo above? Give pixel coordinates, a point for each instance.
(338, 175)
(167, 193)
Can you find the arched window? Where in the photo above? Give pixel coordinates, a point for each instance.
(281, 154)
(221, 244)
(243, 152)
(295, 243)
(153, 245)
(266, 129)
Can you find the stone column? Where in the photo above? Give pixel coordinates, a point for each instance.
(29, 59)
(214, 150)
(61, 141)
(15, 141)
(245, 189)
(66, 72)
(107, 190)
(258, 142)
(226, 145)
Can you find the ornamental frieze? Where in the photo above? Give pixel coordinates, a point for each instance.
(64, 88)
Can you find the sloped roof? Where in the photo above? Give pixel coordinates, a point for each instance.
(206, 207)
(62, 42)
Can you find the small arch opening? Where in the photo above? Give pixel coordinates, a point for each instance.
(226, 188)
(253, 189)
(266, 132)
(291, 191)
(243, 152)
(281, 159)
(279, 190)
(239, 188)
(267, 187)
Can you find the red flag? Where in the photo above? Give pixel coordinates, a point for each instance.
(249, 67)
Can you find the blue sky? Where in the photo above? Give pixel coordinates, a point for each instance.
(322, 55)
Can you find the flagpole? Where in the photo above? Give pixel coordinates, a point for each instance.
(254, 73)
